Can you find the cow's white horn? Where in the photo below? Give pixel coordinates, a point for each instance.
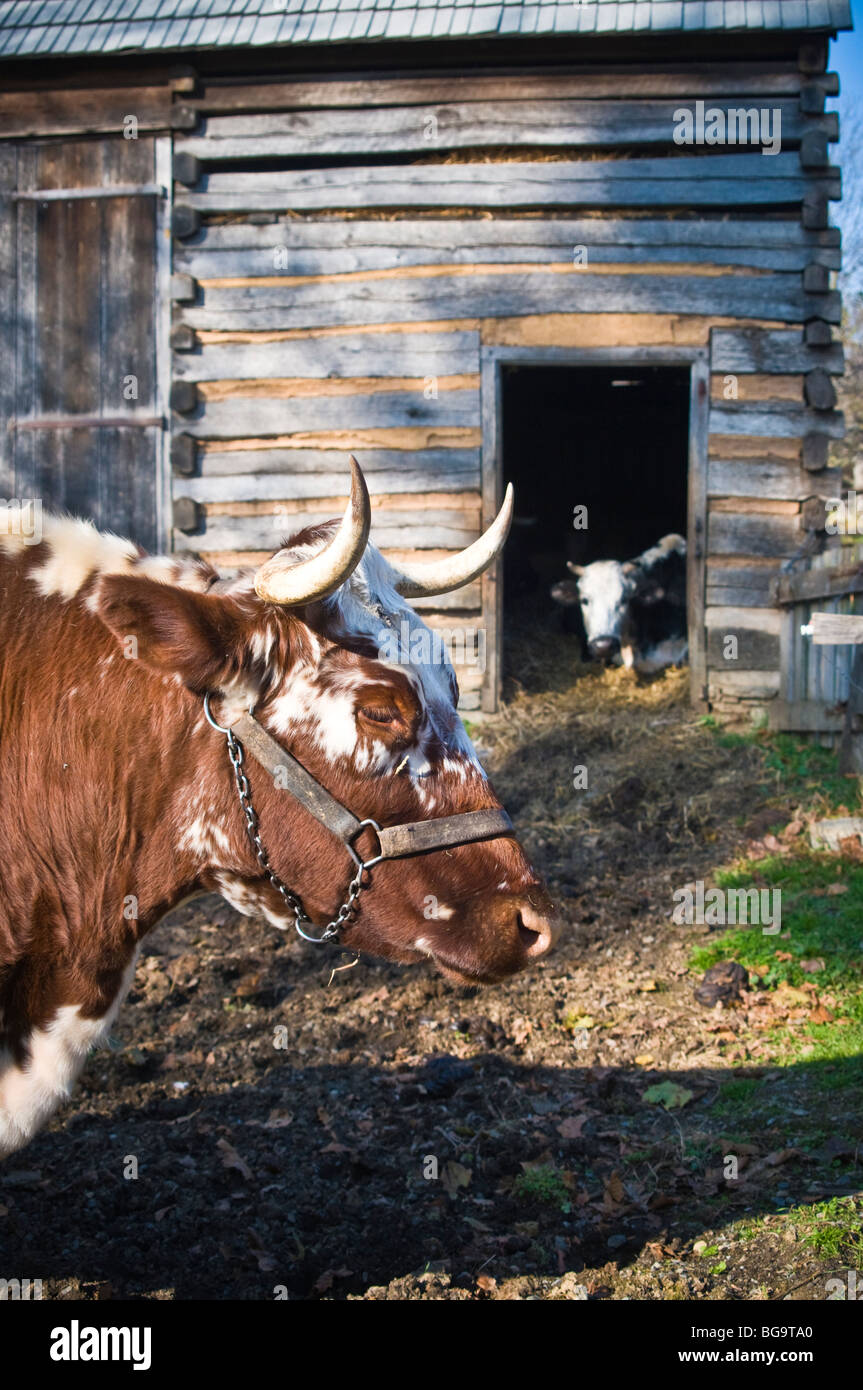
(423, 581)
(278, 581)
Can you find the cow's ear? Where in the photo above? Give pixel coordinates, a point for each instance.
(202, 638)
(577, 570)
(630, 568)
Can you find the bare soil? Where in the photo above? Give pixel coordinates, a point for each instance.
(255, 1132)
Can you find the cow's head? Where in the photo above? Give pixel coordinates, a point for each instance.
(606, 589)
(346, 676)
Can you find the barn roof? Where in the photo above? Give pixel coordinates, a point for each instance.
(60, 27)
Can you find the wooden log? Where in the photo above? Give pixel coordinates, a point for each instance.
(813, 514)
(818, 334)
(754, 350)
(465, 125)
(764, 477)
(808, 585)
(216, 267)
(457, 468)
(50, 111)
(783, 421)
(696, 80)
(815, 451)
(351, 355)
(816, 279)
(732, 582)
(733, 180)
(246, 487)
(756, 387)
(814, 151)
(188, 515)
(183, 397)
(185, 221)
(183, 339)
(769, 536)
(233, 419)
(328, 234)
(187, 166)
(430, 530)
(429, 296)
(184, 288)
(183, 454)
(819, 390)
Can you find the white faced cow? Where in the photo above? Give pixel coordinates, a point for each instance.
(634, 611)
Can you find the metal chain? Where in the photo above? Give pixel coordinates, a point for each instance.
(244, 792)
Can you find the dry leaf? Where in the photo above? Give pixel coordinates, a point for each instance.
(231, 1159)
(454, 1176)
(571, 1127)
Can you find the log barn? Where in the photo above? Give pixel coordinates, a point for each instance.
(586, 246)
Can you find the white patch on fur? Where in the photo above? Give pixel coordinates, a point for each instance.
(603, 591)
(251, 901)
(205, 838)
(29, 1095)
(672, 652)
(76, 551)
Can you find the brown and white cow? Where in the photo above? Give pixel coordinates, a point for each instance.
(117, 798)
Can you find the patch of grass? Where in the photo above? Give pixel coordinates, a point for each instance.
(833, 1229)
(797, 769)
(542, 1184)
(817, 924)
(803, 769)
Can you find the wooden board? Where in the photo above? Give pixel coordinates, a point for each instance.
(233, 419)
(732, 180)
(215, 267)
(512, 123)
(752, 350)
(455, 467)
(769, 478)
(447, 529)
(677, 81)
(405, 354)
(434, 296)
(85, 332)
(84, 110)
(783, 421)
(753, 534)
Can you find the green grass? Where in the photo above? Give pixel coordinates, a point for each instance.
(815, 925)
(833, 1229)
(795, 768)
(542, 1184)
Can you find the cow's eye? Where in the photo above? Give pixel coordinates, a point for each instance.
(377, 715)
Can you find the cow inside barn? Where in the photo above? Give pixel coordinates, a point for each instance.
(352, 805)
(600, 460)
(635, 612)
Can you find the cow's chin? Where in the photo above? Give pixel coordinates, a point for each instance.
(461, 973)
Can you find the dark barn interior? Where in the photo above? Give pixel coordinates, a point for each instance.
(611, 439)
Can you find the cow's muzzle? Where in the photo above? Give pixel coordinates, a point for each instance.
(604, 648)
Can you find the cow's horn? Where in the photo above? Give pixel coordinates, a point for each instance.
(422, 581)
(278, 581)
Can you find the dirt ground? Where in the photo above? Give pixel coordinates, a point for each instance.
(253, 1133)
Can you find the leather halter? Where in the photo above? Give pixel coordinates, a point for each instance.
(395, 842)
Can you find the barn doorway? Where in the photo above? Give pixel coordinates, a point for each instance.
(611, 439)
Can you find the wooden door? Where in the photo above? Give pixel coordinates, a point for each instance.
(80, 397)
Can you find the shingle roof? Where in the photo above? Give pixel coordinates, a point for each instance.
(58, 27)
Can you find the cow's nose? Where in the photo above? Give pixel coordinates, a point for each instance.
(604, 648)
(537, 932)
